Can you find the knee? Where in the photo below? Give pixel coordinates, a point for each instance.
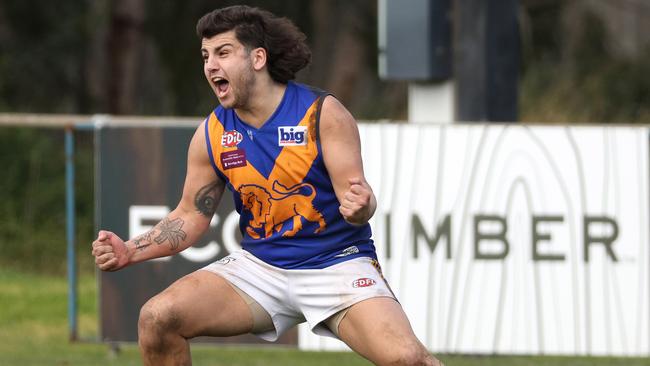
(413, 355)
(158, 318)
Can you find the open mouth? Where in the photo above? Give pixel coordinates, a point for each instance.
(222, 85)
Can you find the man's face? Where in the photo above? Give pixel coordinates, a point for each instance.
(228, 67)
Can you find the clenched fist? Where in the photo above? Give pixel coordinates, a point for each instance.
(111, 252)
(358, 204)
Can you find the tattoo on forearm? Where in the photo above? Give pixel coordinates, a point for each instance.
(170, 230)
(206, 199)
(143, 241)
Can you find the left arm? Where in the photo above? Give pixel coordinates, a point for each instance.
(341, 148)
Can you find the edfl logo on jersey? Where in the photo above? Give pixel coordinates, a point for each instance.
(231, 138)
(292, 135)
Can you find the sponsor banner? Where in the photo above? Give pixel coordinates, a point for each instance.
(513, 239)
(495, 239)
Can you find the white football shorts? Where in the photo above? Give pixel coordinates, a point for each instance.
(292, 296)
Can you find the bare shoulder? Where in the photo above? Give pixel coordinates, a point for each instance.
(335, 118)
(198, 149)
(199, 135)
(199, 165)
(203, 187)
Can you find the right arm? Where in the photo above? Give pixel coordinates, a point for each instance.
(180, 228)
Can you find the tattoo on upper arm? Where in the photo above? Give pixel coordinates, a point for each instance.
(206, 200)
(170, 230)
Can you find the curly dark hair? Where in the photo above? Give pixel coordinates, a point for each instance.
(286, 49)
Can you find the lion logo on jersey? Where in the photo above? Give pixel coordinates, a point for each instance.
(271, 210)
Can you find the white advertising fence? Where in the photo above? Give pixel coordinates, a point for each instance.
(513, 239)
(496, 239)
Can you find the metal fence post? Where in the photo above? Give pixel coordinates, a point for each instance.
(70, 232)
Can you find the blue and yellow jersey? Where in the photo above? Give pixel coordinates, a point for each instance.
(289, 213)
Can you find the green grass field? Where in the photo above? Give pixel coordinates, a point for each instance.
(34, 331)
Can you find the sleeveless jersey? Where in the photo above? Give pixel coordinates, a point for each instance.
(289, 213)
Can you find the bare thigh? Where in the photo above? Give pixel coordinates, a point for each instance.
(202, 304)
(379, 330)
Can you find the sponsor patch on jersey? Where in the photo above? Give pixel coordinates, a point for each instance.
(233, 159)
(292, 135)
(348, 251)
(231, 138)
(363, 282)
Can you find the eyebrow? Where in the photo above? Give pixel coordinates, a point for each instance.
(203, 49)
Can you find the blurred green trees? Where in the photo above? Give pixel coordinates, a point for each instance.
(586, 62)
(32, 199)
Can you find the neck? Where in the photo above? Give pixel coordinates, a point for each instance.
(264, 100)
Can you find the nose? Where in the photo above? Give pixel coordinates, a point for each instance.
(211, 64)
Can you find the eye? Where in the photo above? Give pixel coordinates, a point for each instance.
(204, 56)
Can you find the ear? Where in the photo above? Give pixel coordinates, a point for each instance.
(258, 56)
